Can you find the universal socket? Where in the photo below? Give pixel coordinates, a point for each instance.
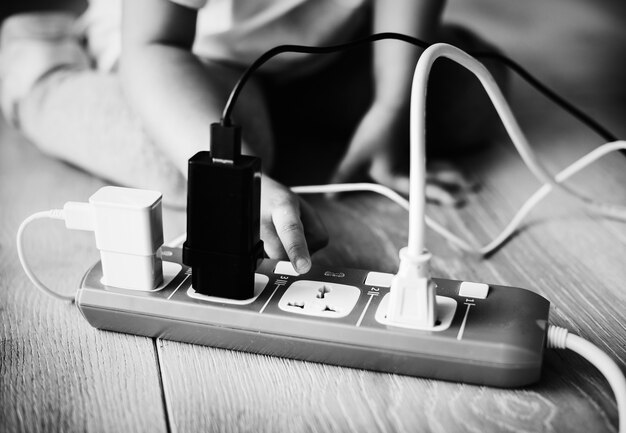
(319, 298)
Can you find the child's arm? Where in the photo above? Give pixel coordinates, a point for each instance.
(177, 100)
(394, 61)
(386, 124)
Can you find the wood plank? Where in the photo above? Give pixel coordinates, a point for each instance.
(213, 389)
(56, 372)
(238, 390)
(572, 258)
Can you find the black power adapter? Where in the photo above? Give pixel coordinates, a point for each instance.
(223, 243)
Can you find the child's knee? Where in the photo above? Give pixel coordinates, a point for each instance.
(31, 46)
(460, 114)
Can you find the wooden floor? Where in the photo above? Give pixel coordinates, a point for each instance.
(59, 374)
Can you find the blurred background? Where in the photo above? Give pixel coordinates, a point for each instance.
(576, 46)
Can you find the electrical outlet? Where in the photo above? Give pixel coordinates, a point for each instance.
(488, 337)
(318, 298)
(260, 282)
(446, 307)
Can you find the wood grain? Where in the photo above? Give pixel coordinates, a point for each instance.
(562, 252)
(57, 373)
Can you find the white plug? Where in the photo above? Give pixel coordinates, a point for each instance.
(128, 226)
(412, 302)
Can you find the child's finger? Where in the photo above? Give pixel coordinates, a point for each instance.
(437, 192)
(290, 231)
(447, 174)
(271, 242)
(440, 195)
(401, 184)
(314, 229)
(382, 172)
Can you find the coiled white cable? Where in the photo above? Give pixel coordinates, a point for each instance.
(560, 338)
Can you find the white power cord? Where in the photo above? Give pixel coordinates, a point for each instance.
(416, 204)
(412, 295)
(417, 196)
(510, 228)
(412, 291)
(418, 101)
(545, 189)
(128, 228)
(390, 194)
(418, 137)
(560, 338)
(57, 214)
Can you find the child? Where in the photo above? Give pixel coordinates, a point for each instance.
(138, 123)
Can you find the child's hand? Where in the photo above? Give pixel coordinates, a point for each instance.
(445, 184)
(289, 226)
(378, 145)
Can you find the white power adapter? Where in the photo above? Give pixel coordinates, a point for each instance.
(128, 226)
(129, 235)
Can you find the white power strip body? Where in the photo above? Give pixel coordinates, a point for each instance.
(497, 341)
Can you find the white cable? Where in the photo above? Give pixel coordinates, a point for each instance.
(545, 189)
(510, 228)
(416, 203)
(560, 338)
(418, 136)
(418, 106)
(54, 214)
(389, 193)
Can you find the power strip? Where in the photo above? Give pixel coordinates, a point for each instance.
(488, 335)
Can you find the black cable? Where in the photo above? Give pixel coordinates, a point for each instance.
(303, 49)
(515, 67)
(550, 94)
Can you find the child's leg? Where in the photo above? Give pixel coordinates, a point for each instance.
(73, 112)
(84, 118)
(81, 116)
